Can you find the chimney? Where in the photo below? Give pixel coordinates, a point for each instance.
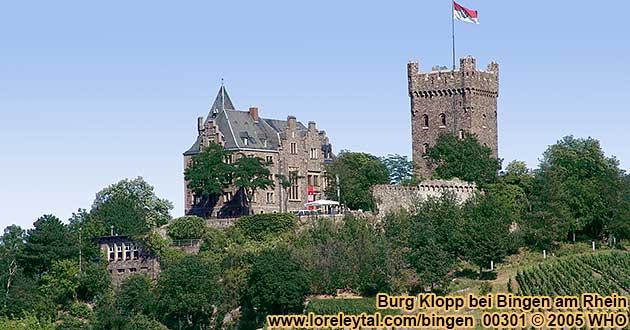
(311, 126)
(199, 125)
(291, 121)
(253, 111)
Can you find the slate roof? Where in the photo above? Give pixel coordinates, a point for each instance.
(239, 128)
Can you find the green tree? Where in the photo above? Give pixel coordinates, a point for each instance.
(135, 296)
(261, 226)
(62, 282)
(130, 206)
(464, 158)
(251, 173)
(400, 169)
(357, 173)
(11, 244)
(187, 293)
(208, 174)
(48, 241)
(94, 282)
(186, 227)
(277, 285)
(579, 186)
(143, 322)
(487, 231)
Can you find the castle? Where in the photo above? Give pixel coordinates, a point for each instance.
(295, 151)
(456, 102)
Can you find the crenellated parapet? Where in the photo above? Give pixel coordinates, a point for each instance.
(392, 198)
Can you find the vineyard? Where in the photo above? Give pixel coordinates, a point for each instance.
(603, 273)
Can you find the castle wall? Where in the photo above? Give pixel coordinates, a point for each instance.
(393, 198)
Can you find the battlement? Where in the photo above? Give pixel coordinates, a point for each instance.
(392, 198)
(444, 82)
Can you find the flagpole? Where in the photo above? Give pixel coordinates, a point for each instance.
(453, 30)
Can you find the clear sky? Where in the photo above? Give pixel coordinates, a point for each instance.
(94, 92)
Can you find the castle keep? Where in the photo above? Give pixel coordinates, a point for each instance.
(295, 151)
(456, 102)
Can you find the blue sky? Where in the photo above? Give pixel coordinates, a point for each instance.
(91, 93)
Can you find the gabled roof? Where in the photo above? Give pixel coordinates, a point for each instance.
(238, 126)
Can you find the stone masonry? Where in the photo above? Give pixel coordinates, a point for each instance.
(452, 102)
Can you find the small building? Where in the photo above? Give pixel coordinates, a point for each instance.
(126, 257)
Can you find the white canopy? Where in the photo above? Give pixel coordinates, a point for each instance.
(321, 202)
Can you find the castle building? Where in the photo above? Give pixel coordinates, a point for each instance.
(296, 152)
(126, 257)
(456, 102)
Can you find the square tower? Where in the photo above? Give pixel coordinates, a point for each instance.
(456, 102)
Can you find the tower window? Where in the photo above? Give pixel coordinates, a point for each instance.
(425, 149)
(461, 134)
(425, 120)
(443, 119)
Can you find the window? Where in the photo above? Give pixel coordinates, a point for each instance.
(127, 251)
(314, 153)
(425, 148)
(443, 119)
(119, 252)
(425, 121)
(132, 270)
(293, 148)
(313, 179)
(135, 251)
(461, 134)
(294, 185)
(228, 159)
(245, 141)
(269, 159)
(111, 252)
(227, 196)
(269, 197)
(121, 270)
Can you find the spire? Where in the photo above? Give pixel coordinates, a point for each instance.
(222, 101)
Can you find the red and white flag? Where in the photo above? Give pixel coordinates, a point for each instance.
(464, 14)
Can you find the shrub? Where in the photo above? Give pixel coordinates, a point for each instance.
(259, 226)
(187, 227)
(485, 288)
(347, 306)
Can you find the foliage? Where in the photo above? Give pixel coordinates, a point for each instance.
(135, 296)
(400, 169)
(251, 173)
(94, 281)
(143, 322)
(277, 285)
(465, 159)
(47, 242)
(186, 227)
(62, 282)
(131, 206)
(187, 293)
(485, 288)
(357, 172)
(27, 322)
(154, 243)
(347, 306)
(262, 226)
(208, 174)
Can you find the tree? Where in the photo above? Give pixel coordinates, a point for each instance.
(208, 174)
(579, 184)
(186, 227)
(130, 206)
(187, 293)
(277, 284)
(48, 241)
(464, 158)
(135, 296)
(251, 173)
(357, 173)
(11, 244)
(62, 282)
(487, 231)
(400, 169)
(143, 322)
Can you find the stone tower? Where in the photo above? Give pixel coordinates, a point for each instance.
(452, 102)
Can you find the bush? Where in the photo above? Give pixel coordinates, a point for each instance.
(347, 306)
(142, 322)
(259, 226)
(187, 227)
(28, 322)
(485, 288)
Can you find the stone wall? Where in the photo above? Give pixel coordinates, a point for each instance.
(393, 198)
(452, 102)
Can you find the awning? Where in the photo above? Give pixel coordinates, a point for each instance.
(321, 202)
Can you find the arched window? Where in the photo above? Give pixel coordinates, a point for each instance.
(461, 134)
(425, 120)
(425, 148)
(443, 119)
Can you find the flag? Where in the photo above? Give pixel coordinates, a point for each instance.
(464, 14)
